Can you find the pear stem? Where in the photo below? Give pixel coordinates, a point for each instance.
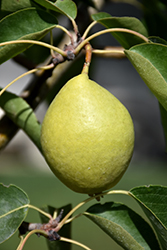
(88, 58)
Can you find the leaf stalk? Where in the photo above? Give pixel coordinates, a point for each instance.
(75, 242)
(63, 221)
(25, 74)
(60, 51)
(84, 42)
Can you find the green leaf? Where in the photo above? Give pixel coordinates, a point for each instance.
(24, 24)
(13, 210)
(150, 61)
(65, 7)
(100, 15)
(65, 231)
(123, 225)
(154, 15)
(14, 5)
(22, 115)
(156, 39)
(125, 39)
(162, 110)
(153, 200)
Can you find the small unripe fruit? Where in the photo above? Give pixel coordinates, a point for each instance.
(87, 136)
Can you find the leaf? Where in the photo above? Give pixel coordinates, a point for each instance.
(14, 5)
(24, 24)
(65, 231)
(156, 39)
(100, 15)
(65, 7)
(22, 115)
(162, 110)
(13, 210)
(150, 61)
(153, 200)
(154, 15)
(123, 225)
(125, 39)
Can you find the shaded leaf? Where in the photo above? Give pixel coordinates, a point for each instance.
(154, 15)
(150, 61)
(22, 115)
(156, 39)
(125, 39)
(14, 5)
(65, 231)
(125, 226)
(65, 7)
(24, 24)
(36, 54)
(153, 200)
(13, 210)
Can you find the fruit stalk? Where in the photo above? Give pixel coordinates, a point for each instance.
(88, 58)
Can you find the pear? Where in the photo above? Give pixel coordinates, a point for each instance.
(87, 136)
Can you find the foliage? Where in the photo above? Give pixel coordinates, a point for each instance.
(24, 28)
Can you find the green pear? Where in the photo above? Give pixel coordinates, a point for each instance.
(87, 136)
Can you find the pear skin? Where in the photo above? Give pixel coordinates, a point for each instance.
(87, 136)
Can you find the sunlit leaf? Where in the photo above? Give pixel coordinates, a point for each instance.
(65, 7)
(13, 210)
(150, 61)
(100, 15)
(163, 112)
(125, 39)
(28, 23)
(123, 225)
(153, 200)
(22, 115)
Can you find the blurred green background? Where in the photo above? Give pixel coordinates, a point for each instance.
(43, 188)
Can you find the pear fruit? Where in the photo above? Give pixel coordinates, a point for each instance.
(87, 136)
